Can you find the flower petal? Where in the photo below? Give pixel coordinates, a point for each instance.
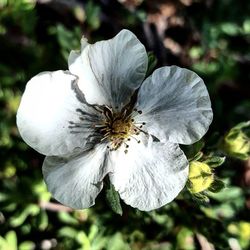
(149, 176)
(110, 71)
(49, 114)
(175, 105)
(76, 181)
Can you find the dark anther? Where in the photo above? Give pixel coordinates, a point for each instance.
(139, 111)
(126, 151)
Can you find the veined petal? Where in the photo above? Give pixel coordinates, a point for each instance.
(50, 116)
(76, 181)
(149, 176)
(175, 105)
(109, 71)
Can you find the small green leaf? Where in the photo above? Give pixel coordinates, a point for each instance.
(117, 242)
(27, 245)
(67, 232)
(113, 199)
(20, 217)
(83, 240)
(193, 151)
(93, 15)
(67, 218)
(215, 161)
(43, 220)
(11, 240)
(197, 157)
(216, 186)
(229, 194)
(152, 61)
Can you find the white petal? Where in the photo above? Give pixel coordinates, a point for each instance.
(109, 71)
(77, 181)
(148, 177)
(175, 105)
(48, 106)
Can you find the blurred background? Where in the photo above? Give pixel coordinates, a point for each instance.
(210, 37)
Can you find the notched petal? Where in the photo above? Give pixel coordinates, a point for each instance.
(175, 105)
(149, 177)
(77, 180)
(109, 71)
(47, 112)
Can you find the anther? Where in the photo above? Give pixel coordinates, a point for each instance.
(139, 112)
(126, 151)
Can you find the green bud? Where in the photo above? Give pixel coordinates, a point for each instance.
(237, 141)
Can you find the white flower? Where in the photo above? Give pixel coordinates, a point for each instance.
(100, 118)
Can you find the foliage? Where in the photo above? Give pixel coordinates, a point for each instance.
(210, 37)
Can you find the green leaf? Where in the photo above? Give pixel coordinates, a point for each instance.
(216, 186)
(67, 218)
(113, 199)
(193, 151)
(83, 240)
(12, 240)
(117, 242)
(43, 220)
(93, 15)
(228, 194)
(215, 161)
(27, 245)
(152, 61)
(19, 218)
(67, 232)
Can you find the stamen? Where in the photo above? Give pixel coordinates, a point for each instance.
(138, 141)
(117, 128)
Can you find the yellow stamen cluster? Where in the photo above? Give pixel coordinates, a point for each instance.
(118, 131)
(118, 128)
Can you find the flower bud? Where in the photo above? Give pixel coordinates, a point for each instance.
(200, 177)
(237, 141)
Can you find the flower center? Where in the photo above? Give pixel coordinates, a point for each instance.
(117, 131)
(119, 128)
(116, 128)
